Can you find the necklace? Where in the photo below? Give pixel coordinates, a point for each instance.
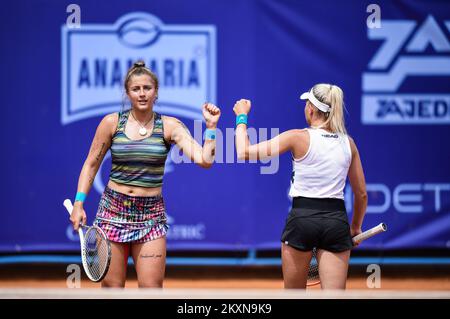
(142, 130)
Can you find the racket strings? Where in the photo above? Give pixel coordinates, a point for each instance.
(97, 253)
(313, 271)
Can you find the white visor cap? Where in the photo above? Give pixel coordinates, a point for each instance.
(310, 96)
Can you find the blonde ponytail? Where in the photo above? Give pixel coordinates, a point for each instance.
(333, 96)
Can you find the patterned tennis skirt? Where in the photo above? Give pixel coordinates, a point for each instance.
(133, 219)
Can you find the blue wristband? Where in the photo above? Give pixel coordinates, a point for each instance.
(241, 119)
(80, 197)
(210, 134)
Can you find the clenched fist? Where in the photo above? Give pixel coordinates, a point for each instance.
(242, 107)
(211, 113)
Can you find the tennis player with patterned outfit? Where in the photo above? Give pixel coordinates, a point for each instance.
(131, 210)
(323, 156)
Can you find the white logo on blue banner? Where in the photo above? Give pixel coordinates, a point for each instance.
(381, 101)
(96, 57)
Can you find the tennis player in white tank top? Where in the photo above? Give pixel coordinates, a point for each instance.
(323, 157)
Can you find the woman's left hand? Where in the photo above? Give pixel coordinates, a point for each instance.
(211, 113)
(354, 230)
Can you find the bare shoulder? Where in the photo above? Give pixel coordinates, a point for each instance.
(299, 141)
(351, 140)
(171, 122)
(109, 122)
(353, 147)
(112, 118)
(296, 138)
(298, 134)
(302, 132)
(174, 128)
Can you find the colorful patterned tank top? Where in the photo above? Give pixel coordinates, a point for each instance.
(139, 162)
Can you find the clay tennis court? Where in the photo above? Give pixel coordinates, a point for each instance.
(418, 281)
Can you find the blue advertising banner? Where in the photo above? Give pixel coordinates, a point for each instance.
(63, 66)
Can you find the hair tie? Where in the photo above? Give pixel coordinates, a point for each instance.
(139, 64)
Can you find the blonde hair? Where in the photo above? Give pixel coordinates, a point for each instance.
(333, 96)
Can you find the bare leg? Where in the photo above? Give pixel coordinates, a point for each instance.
(333, 268)
(117, 272)
(295, 264)
(150, 261)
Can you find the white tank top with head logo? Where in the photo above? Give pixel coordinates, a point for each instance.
(322, 172)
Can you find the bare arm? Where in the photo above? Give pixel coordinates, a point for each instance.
(358, 183)
(100, 145)
(179, 134)
(273, 147)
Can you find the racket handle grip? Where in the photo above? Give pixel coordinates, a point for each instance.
(68, 205)
(369, 233)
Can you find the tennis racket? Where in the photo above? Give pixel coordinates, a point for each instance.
(313, 271)
(95, 249)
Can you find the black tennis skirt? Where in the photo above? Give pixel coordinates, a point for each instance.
(320, 223)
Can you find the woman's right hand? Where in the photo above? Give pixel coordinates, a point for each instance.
(78, 215)
(242, 106)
